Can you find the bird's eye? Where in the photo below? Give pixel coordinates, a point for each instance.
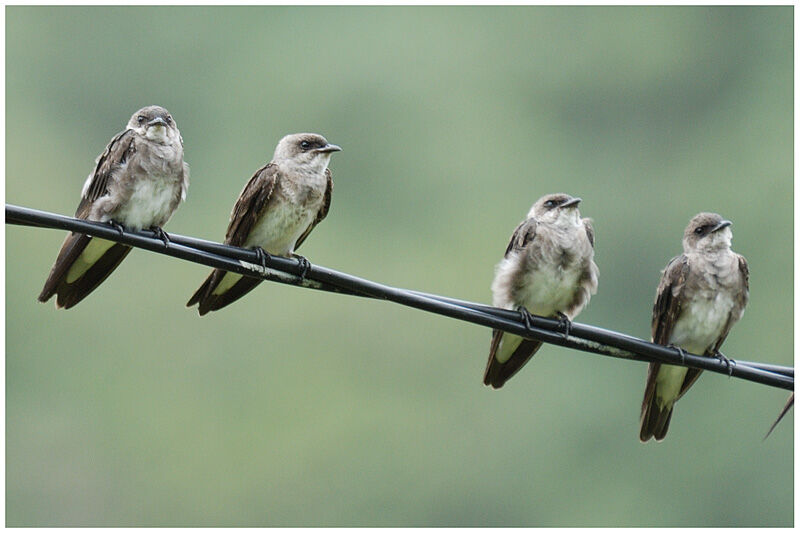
(305, 145)
(169, 119)
(140, 119)
(700, 230)
(550, 203)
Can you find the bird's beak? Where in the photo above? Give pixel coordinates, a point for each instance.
(570, 202)
(158, 121)
(328, 148)
(723, 224)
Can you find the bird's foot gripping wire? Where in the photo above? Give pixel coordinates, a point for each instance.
(526, 316)
(305, 266)
(117, 226)
(161, 234)
(681, 351)
(564, 323)
(729, 363)
(261, 256)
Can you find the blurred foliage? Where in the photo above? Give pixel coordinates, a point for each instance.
(294, 407)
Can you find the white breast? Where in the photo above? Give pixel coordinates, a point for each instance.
(549, 289)
(702, 321)
(550, 286)
(280, 227)
(150, 203)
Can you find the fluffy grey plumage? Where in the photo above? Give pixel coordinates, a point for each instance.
(702, 294)
(138, 182)
(548, 268)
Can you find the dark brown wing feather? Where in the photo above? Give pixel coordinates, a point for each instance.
(745, 271)
(587, 224)
(523, 234)
(246, 212)
(212, 302)
(116, 154)
(667, 307)
(323, 210)
(69, 294)
(786, 407)
(496, 373)
(72, 293)
(251, 202)
(118, 151)
(666, 310)
(71, 249)
(201, 290)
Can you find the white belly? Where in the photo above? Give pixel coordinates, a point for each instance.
(702, 321)
(276, 232)
(697, 329)
(280, 227)
(549, 290)
(700, 325)
(150, 203)
(545, 292)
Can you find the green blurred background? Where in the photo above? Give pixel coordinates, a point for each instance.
(294, 407)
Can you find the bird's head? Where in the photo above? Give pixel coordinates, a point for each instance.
(156, 124)
(306, 151)
(707, 232)
(560, 209)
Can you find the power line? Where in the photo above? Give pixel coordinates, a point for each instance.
(581, 337)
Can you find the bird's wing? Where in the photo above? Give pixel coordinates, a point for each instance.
(323, 210)
(786, 407)
(667, 307)
(69, 294)
(522, 236)
(116, 154)
(666, 311)
(73, 246)
(251, 202)
(587, 224)
(247, 210)
(497, 373)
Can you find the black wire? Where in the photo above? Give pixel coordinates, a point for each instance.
(287, 270)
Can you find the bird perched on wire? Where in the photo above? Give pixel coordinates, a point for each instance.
(138, 182)
(702, 294)
(276, 211)
(548, 270)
